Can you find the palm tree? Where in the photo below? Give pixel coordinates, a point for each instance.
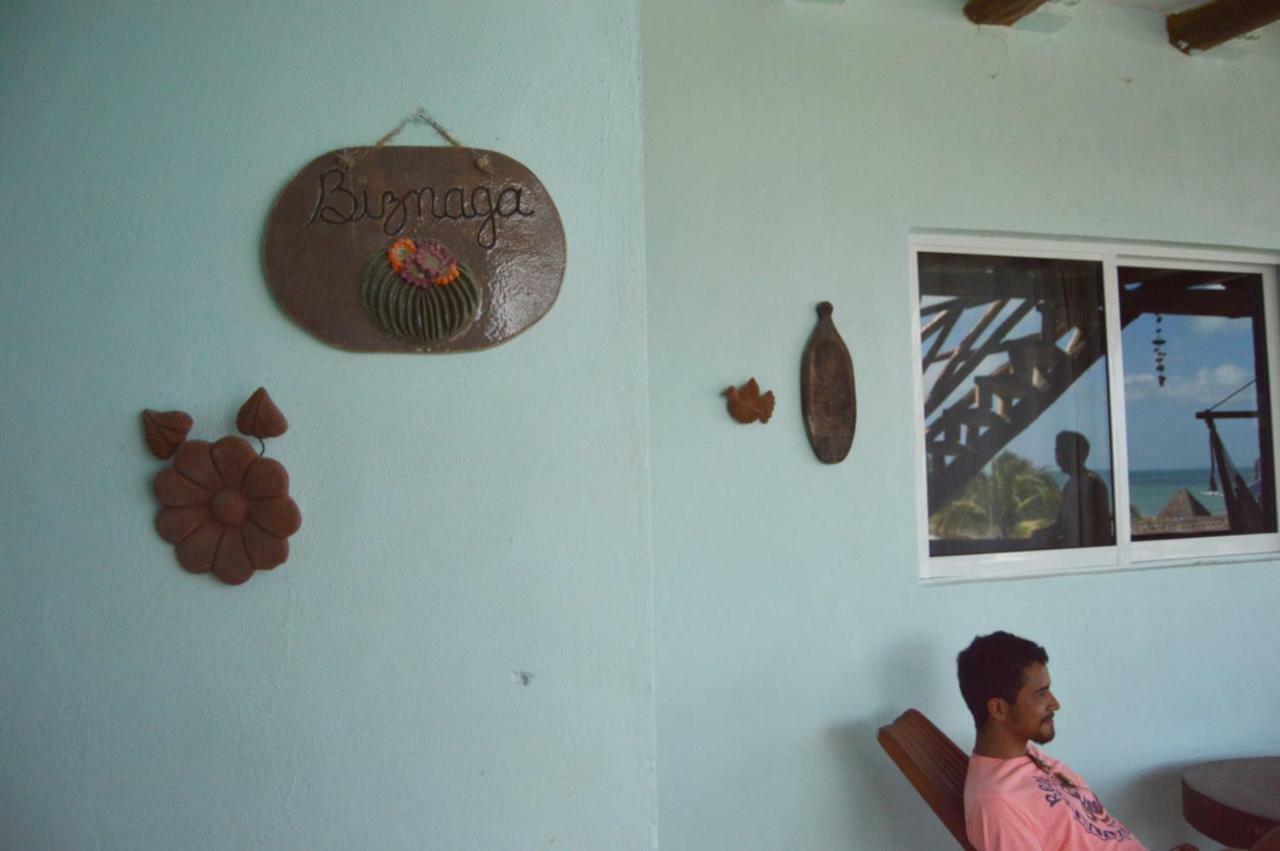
(1024, 496)
(966, 516)
(1011, 501)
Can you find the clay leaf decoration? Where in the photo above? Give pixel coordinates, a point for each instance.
(259, 417)
(165, 431)
(747, 404)
(828, 398)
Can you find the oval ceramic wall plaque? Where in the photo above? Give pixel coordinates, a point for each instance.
(414, 249)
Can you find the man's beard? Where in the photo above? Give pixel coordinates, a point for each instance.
(1045, 732)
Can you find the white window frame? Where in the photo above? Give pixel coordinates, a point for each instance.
(1125, 554)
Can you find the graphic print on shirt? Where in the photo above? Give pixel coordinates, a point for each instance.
(1084, 807)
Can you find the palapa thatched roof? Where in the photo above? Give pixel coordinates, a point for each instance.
(1183, 504)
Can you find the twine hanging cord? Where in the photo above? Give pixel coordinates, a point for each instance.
(1234, 394)
(419, 116)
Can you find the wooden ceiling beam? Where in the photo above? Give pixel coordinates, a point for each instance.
(1172, 279)
(1205, 27)
(1003, 13)
(1187, 303)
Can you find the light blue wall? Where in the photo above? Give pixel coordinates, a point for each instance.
(790, 148)
(468, 517)
(464, 517)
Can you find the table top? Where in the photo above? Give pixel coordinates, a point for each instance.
(1234, 801)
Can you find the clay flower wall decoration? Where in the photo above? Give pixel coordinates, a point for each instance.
(224, 507)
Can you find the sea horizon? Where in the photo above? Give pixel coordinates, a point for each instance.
(1150, 490)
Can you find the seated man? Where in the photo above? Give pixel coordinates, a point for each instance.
(1015, 797)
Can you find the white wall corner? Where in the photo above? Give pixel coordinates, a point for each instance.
(1049, 18)
(1237, 48)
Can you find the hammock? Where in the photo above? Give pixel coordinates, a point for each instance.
(1244, 510)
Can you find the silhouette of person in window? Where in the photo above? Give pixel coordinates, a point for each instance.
(1084, 519)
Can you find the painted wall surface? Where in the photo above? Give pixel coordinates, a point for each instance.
(790, 149)
(465, 517)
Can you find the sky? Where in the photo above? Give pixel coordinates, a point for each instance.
(1208, 358)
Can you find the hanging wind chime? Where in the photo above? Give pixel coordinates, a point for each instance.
(1158, 346)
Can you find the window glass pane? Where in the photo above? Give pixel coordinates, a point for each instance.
(1017, 429)
(1196, 403)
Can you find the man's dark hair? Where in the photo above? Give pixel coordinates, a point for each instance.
(992, 666)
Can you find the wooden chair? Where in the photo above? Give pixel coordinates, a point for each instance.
(933, 764)
(1270, 842)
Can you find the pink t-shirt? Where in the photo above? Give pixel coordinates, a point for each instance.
(1016, 805)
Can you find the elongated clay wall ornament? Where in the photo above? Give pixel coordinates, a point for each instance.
(224, 507)
(828, 399)
(414, 249)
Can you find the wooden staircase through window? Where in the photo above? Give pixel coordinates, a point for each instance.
(1033, 371)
